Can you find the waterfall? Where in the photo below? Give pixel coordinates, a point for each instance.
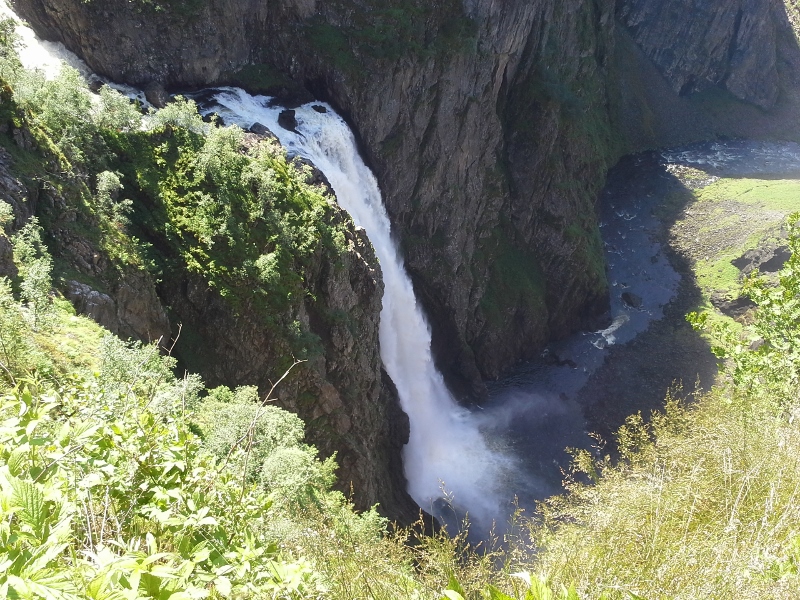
(446, 458)
(446, 455)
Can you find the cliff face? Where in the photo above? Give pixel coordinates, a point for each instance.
(687, 70)
(486, 124)
(733, 44)
(340, 392)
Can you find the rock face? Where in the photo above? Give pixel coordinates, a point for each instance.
(340, 393)
(734, 44)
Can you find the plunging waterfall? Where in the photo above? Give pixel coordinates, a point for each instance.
(446, 455)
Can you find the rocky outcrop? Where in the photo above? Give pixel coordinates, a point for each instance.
(130, 308)
(133, 310)
(340, 392)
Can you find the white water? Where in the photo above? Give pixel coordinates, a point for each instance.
(446, 455)
(35, 53)
(446, 449)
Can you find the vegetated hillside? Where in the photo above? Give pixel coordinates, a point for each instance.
(181, 230)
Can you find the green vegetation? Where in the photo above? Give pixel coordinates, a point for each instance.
(119, 480)
(169, 193)
(728, 217)
(236, 212)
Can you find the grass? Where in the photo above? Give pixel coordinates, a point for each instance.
(74, 341)
(726, 219)
(707, 509)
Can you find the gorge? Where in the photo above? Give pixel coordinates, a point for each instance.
(490, 130)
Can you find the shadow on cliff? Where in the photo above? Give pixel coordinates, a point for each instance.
(693, 70)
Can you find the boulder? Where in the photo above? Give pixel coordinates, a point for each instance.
(632, 300)
(288, 120)
(156, 94)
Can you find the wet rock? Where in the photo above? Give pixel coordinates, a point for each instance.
(632, 300)
(319, 108)
(213, 117)
(156, 94)
(288, 120)
(449, 516)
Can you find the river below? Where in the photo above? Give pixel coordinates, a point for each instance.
(590, 382)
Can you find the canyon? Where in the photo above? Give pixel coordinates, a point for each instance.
(490, 127)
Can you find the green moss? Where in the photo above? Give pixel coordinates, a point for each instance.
(259, 79)
(515, 282)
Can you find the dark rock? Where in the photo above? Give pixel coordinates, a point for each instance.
(767, 259)
(319, 108)
(315, 176)
(15, 192)
(287, 120)
(632, 300)
(733, 308)
(156, 94)
(213, 117)
(23, 139)
(95, 83)
(262, 131)
(7, 266)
